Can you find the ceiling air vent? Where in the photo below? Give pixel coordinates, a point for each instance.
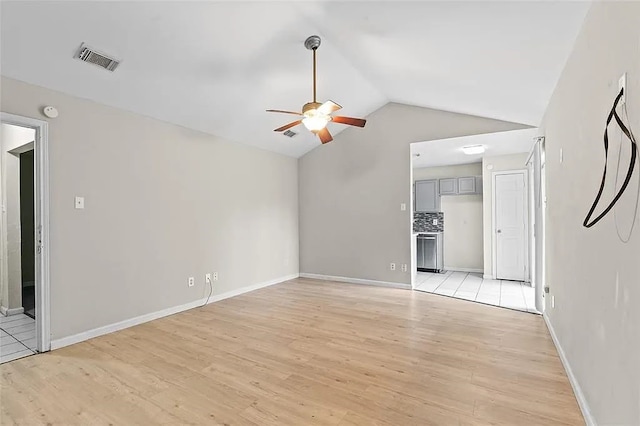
(87, 54)
(290, 133)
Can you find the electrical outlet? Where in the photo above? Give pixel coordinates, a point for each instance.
(403, 206)
(622, 85)
(207, 278)
(192, 281)
(392, 266)
(561, 155)
(404, 267)
(215, 276)
(435, 221)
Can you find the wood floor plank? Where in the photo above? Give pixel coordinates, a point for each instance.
(304, 352)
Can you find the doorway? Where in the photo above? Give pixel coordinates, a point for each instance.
(462, 210)
(24, 290)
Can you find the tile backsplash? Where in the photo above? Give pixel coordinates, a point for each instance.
(423, 222)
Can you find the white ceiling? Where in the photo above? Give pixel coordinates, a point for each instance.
(448, 152)
(216, 66)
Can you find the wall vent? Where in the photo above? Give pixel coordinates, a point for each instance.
(87, 54)
(290, 133)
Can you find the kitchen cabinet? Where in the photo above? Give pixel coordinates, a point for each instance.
(426, 197)
(448, 186)
(460, 186)
(466, 185)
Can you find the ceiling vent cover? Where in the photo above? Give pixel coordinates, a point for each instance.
(290, 133)
(87, 54)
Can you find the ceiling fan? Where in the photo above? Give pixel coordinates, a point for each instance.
(315, 115)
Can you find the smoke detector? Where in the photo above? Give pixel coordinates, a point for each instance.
(92, 56)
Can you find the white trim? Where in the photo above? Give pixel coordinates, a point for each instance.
(577, 390)
(473, 270)
(494, 255)
(487, 277)
(110, 328)
(413, 248)
(42, 287)
(13, 311)
(357, 281)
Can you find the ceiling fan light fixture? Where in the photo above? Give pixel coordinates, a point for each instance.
(314, 120)
(473, 149)
(315, 115)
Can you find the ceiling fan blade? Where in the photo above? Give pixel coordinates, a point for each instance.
(329, 107)
(284, 112)
(324, 135)
(288, 126)
(360, 122)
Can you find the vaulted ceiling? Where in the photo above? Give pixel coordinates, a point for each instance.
(216, 66)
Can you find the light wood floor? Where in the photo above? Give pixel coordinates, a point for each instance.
(304, 352)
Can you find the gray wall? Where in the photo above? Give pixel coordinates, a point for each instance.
(595, 277)
(351, 224)
(162, 203)
(458, 170)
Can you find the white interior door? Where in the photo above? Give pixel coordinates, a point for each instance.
(510, 225)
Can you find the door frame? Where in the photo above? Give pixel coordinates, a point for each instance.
(494, 254)
(41, 169)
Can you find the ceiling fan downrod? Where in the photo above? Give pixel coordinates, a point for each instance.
(312, 43)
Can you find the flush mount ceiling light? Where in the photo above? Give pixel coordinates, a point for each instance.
(473, 149)
(316, 116)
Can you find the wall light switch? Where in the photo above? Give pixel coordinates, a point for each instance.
(79, 202)
(403, 206)
(561, 155)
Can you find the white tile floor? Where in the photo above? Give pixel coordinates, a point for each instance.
(469, 286)
(17, 337)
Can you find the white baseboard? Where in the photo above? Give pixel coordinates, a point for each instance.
(487, 277)
(110, 328)
(577, 390)
(357, 281)
(453, 268)
(13, 311)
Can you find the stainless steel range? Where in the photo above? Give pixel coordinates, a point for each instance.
(430, 252)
